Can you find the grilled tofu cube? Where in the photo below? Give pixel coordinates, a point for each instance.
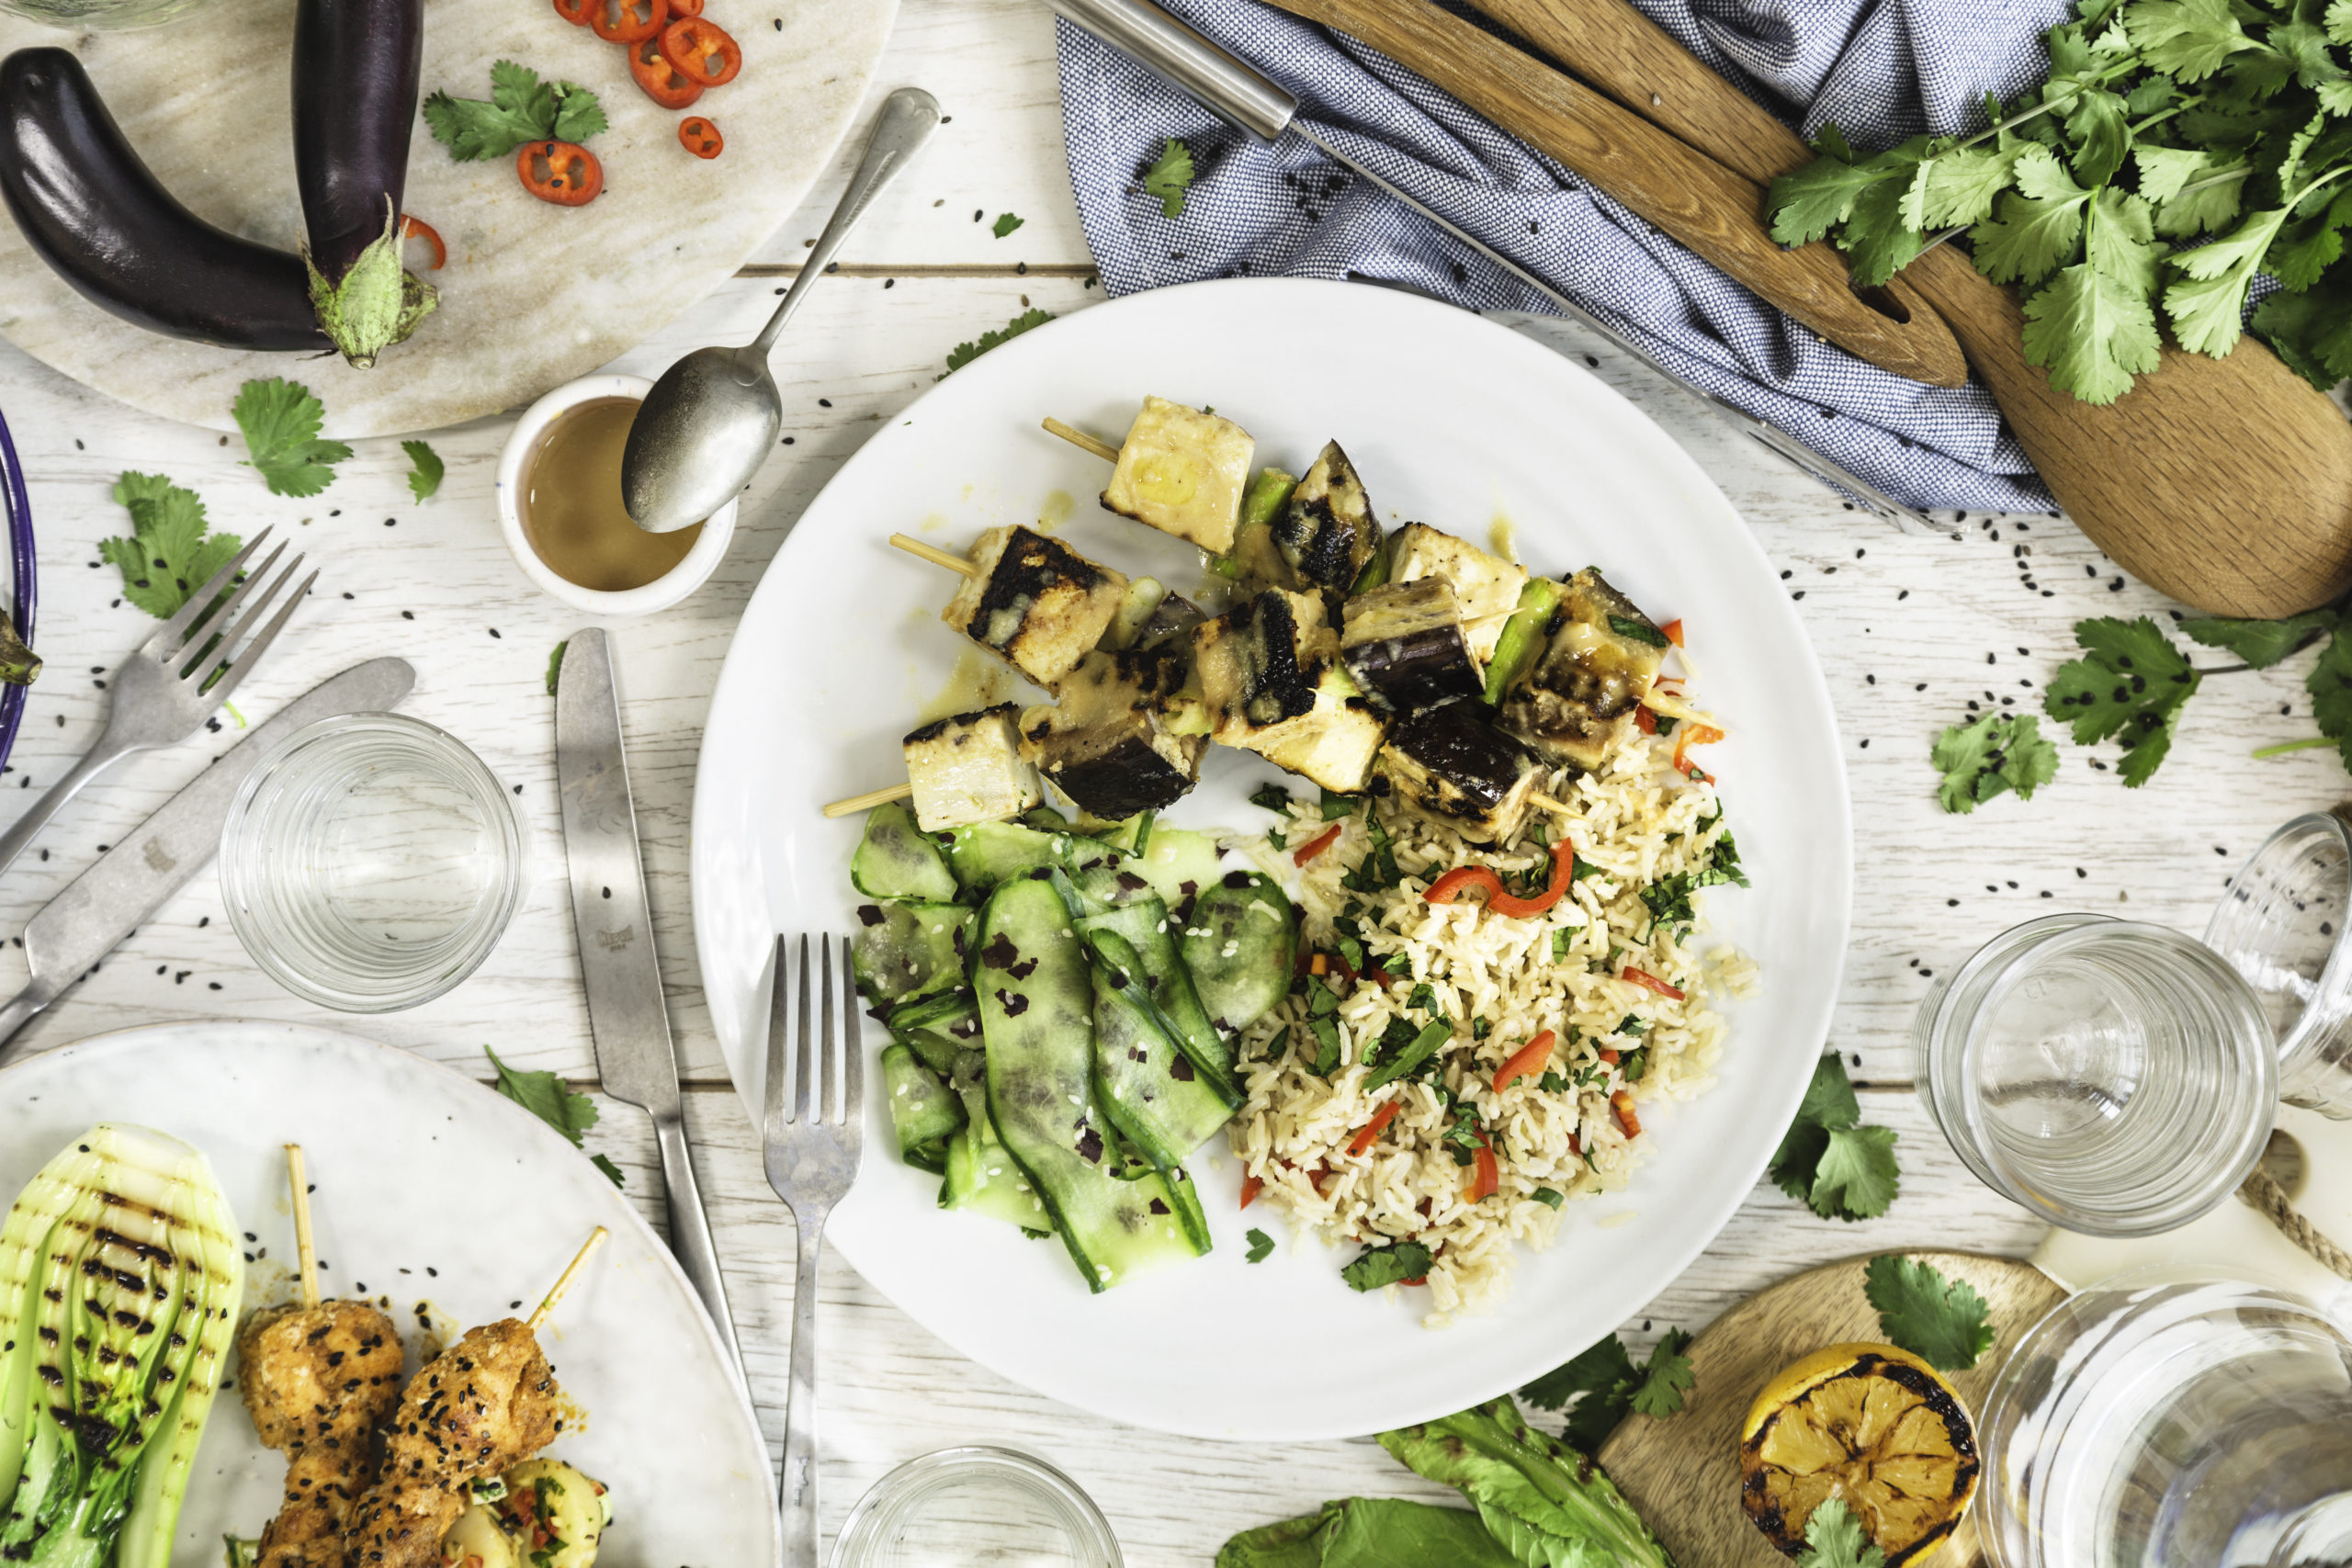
(1453, 767)
(1036, 601)
(970, 769)
(1485, 587)
(1182, 471)
(1109, 745)
(1271, 678)
(1405, 646)
(1575, 705)
(1327, 533)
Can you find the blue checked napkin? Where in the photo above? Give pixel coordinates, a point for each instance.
(1884, 70)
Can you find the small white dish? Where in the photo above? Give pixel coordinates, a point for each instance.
(717, 530)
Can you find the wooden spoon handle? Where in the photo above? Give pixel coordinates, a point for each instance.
(2226, 484)
(1688, 195)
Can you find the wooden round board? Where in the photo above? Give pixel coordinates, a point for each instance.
(1682, 1473)
(532, 295)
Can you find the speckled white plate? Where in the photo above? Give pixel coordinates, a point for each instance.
(533, 295)
(1452, 420)
(437, 1194)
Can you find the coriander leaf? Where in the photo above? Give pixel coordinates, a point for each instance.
(2095, 327)
(2340, 21)
(1271, 797)
(1828, 1102)
(578, 115)
(2101, 128)
(425, 469)
(1006, 222)
(1834, 1539)
(1598, 1369)
(280, 421)
(1944, 1322)
(1991, 755)
(2194, 188)
(521, 109)
(1814, 199)
(1393, 1265)
(1171, 177)
(555, 664)
(1875, 237)
(2330, 685)
(1549, 1197)
(544, 1096)
(1261, 1245)
(2189, 39)
(2130, 687)
(1856, 1177)
(1666, 1376)
(169, 554)
(2260, 643)
(2312, 332)
(1959, 185)
(963, 354)
(2208, 304)
(605, 1164)
(2039, 226)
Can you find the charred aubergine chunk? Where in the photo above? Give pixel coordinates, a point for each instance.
(1182, 472)
(1270, 675)
(1036, 601)
(1451, 765)
(1575, 705)
(1485, 587)
(1113, 744)
(970, 769)
(1405, 646)
(1327, 533)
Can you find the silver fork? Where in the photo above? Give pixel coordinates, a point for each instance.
(161, 693)
(813, 1152)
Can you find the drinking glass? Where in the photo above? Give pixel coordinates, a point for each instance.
(2171, 1420)
(2283, 926)
(371, 862)
(967, 1505)
(2118, 1078)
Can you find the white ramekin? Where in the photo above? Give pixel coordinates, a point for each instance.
(659, 594)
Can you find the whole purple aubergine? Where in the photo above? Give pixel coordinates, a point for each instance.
(356, 68)
(92, 211)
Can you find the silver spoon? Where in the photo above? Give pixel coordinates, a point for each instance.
(712, 418)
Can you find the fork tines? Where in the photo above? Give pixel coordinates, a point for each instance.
(813, 1028)
(179, 645)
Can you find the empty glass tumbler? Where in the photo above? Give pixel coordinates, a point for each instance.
(2281, 925)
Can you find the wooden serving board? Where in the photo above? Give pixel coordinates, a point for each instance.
(1682, 1473)
(533, 295)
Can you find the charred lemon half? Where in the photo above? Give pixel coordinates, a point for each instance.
(1873, 1426)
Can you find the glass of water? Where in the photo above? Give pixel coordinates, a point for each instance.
(2117, 1079)
(2171, 1421)
(371, 862)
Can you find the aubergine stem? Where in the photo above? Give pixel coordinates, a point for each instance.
(936, 556)
(869, 800)
(375, 304)
(357, 64)
(1078, 437)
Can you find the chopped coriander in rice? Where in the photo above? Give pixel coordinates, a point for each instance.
(1322, 1066)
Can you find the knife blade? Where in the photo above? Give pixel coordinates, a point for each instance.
(622, 974)
(130, 881)
(1238, 94)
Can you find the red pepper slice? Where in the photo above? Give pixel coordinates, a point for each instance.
(574, 11)
(418, 228)
(1608, 1056)
(1380, 1118)
(1564, 872)
(1526, 1061)
(684, 8)
(699, 137)
(1486, 1182)
(1251, 1187)
(1644, 720)
(1649, 981)
(1691, 734)
(1623, 1103)
(702, 49)
(616, 21)
(1672, 629)
(1449, 887)
(1316, 845)
(1416, 1279)
(561, 172)
(662, 82)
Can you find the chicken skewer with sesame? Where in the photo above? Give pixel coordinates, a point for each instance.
(318, 1379)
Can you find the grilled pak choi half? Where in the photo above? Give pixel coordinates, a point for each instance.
(121, 1281)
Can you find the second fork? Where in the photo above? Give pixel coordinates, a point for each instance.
(185, 669)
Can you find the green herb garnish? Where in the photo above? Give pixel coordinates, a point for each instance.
(280, 421)
(1991, 755)
(1839, 1170)
(521, 109)
(1944, 1322)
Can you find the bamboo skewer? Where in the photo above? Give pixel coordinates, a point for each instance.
(869, 800)
(931, 553)
(1077, 438)
(304, 1247)
(563, 1282)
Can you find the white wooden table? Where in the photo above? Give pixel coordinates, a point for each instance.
(1911, 631)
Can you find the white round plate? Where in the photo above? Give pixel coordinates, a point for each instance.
(1451, 421)
(440, 1195)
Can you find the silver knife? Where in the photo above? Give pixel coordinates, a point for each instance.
(131, 881)
(626, 1010)
(1239, 95)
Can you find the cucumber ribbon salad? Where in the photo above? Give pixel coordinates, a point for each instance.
(1065, 998)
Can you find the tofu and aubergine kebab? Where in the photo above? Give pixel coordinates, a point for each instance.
(1409, 663)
